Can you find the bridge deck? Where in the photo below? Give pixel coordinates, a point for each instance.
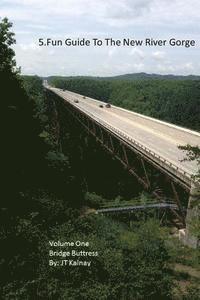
(160, 137)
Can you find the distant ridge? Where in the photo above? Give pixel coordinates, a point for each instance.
(134, 76)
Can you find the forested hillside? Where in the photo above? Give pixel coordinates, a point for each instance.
(131, 76)
(43, 201)
(175, 101)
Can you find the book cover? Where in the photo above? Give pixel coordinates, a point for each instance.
(100, 107)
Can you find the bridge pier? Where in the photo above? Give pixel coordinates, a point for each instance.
(190, 236)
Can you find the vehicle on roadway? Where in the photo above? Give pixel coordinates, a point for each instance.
(100, 105)
(108, 105)
(76, 101)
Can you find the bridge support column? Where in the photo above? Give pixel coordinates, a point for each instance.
(190, 235)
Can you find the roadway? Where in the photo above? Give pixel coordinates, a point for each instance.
(160, 137)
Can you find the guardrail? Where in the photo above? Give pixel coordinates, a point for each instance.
(185, 176)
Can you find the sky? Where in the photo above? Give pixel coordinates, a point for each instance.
(134, 19)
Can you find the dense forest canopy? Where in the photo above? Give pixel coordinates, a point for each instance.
(175, 101)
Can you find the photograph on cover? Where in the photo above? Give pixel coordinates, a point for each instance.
(100, 105)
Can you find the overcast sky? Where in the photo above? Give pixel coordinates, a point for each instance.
(135, 19)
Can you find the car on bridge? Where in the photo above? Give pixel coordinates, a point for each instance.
(100, 105)
(108, 105)
(76, 101)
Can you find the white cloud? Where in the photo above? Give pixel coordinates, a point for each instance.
(96, 18)
(30, 46)
(158, 55)
(177, 68)
(137, 52)
(166, 68)
(113, 12)
(188, 67)
(112, 51)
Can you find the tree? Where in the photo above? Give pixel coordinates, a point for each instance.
(192, 154)
(7, 61)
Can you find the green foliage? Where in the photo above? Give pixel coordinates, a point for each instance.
(125, 269)
(146, 272)
(181, 254)
(93, 200)
(57, 160)
(7, 61)
(192, 154)
(192, 292)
